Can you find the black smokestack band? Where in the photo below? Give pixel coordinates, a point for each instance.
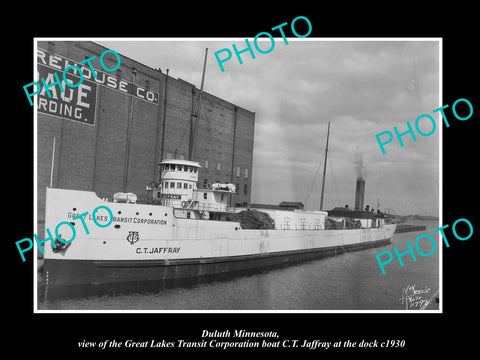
(359, 194)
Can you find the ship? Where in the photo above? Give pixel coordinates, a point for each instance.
(181, 234)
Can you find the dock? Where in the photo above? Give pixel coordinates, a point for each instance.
(401, 228)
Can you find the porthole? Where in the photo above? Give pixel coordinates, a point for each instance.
(117, 226)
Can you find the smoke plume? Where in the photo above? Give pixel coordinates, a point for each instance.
(360, 166)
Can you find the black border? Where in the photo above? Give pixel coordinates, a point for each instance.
(56, 335)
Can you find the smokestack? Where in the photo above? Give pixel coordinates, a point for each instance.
(359, 193)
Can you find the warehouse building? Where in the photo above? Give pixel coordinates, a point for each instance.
(110, 133)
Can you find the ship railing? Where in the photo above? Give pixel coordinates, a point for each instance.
(148, 200)
(201, 206)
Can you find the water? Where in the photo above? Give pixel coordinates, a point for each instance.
(351, 281)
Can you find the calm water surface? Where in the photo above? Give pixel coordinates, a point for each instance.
(351, 281)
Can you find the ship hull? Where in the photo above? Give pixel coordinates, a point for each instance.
(80, 278)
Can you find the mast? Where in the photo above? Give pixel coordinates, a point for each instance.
(53, 163)
(195, 115)
(324, 168)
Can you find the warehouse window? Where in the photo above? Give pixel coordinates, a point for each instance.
(238, 171)
(245, 189)
(218, 167)
(206, 164)
(246, 173)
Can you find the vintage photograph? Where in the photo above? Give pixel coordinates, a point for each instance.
(275, 174)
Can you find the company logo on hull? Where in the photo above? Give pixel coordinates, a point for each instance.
(133, 237)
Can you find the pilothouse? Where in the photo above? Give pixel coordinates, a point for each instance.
(178, 189)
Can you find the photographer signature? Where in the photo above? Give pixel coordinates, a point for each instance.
(414, 298)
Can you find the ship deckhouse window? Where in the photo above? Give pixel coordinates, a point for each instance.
(205, 196)
(172, 185)
(185, 185)
(218, 167)
(179, 167)
(194, 170)
(179, 185)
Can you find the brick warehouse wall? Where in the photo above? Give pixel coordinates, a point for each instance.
(94, 157)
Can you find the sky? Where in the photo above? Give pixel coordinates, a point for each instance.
(362, 87)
